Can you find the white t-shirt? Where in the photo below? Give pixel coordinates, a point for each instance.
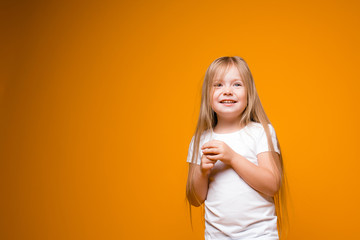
(233, 209)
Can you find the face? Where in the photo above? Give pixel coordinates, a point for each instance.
(228, 98)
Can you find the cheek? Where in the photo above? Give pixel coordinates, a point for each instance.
(212, 100)
(215, 94)
(242, 95)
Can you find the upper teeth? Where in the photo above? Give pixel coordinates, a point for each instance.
(228, 101)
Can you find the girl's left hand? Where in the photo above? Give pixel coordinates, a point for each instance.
(218, 150)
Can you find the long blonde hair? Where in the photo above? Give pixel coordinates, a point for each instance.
(254, 112)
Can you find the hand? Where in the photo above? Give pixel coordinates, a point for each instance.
(218, 150)
(206, 165)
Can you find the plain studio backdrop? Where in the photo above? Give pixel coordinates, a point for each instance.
(99, 101)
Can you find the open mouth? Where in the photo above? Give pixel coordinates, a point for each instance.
(228, 101)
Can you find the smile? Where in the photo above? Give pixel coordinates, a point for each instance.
(228, 101)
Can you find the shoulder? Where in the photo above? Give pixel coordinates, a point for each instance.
(258, 129)
(204, 134)
(259, 126)
(204, 137)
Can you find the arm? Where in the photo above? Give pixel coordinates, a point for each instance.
(264, 177)
(199, 183)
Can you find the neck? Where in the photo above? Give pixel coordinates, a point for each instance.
(228, 125)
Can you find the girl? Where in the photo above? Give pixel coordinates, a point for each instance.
(235, 162)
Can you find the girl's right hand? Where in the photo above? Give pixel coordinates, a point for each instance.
(206, 165)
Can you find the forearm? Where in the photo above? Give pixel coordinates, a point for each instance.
(259, 178)
(199, 187)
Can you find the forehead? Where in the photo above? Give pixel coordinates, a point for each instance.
(226, 72)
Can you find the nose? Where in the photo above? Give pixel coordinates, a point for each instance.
(227, 91)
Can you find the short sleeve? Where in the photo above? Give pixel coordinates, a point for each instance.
(262, 144)
(190, 152)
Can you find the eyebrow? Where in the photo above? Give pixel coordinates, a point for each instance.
(233, 80)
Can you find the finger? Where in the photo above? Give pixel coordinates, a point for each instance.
(212, 151)
(208, 165)
(207, 160)
(209, 144)
(213, 157)
(212, 144)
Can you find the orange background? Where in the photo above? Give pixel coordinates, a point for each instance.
(99, 102)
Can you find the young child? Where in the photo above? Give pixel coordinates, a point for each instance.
(235, 162)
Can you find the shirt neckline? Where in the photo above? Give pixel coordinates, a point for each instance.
(230, 133)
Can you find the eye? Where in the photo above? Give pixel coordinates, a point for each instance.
(238, 84)
(217, 85)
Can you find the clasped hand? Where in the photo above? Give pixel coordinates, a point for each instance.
(218, 150)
